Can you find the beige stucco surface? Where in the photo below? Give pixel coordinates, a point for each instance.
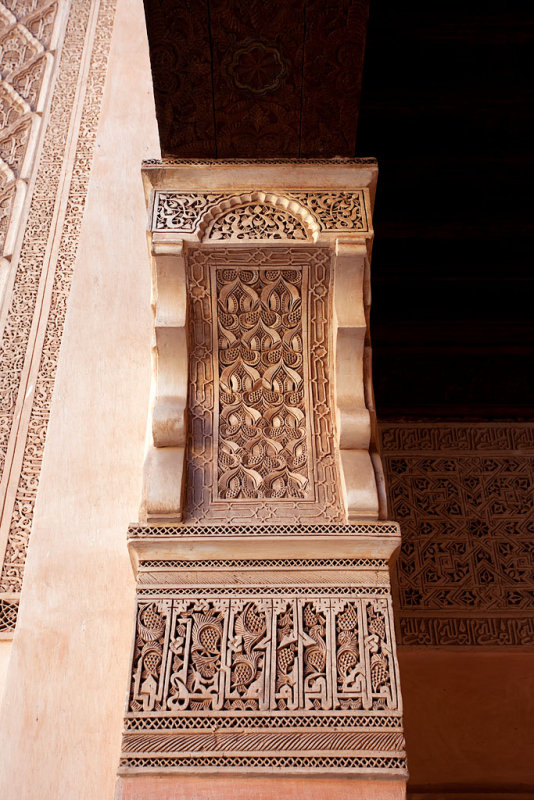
(257, 787)
(5, 652)
(61, 720)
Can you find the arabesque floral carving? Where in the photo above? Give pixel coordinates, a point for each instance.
(270, 673)
(261, 404)
(29, 80)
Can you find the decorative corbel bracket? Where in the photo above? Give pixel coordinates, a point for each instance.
(352, 415)
(164, 463)
(190, 207)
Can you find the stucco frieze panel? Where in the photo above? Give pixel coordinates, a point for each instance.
(330, 211)
(289, 680)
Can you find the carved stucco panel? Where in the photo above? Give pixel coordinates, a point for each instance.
(462, 494)
(257, 399)
(288, 681)
(340, 211)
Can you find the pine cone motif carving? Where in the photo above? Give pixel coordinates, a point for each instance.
(263, 653)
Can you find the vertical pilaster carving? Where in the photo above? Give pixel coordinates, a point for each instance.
(264, 634)
(65, 118)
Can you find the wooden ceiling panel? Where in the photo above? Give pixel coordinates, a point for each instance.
(181, 70)
(257, 78)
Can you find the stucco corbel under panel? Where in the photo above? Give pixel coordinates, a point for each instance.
(240, 183)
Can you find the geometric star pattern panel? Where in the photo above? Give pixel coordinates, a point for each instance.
(462, 494)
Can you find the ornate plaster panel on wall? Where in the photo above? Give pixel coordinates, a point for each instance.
(331, 211)
(462, 494)
(300, 674)
(43, 260)
(266, 431)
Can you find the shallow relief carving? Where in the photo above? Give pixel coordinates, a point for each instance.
(262, 409)
(300, 452)
(338, 212)
(261, 425)
(275, 649)
(463, 496)
(26, 34)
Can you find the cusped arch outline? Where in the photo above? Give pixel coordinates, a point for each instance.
(292, 208)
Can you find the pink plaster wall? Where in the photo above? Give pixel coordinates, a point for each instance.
(246, 787)
(469, 719)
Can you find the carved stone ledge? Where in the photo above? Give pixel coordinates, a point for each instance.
(370, 540)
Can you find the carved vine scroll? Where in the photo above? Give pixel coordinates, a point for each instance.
(339, 211)
(276, 675)
(260, 404)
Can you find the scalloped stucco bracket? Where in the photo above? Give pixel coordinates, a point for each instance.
(352, 415)
(163, 473)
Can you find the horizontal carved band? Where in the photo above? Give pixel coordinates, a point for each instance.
(461, 631)
(278, 563)
(307, 719)
(457, 438)
(291, 215)
(374, 529)
(236, 742)
(257, 763)
(194, 591)
(221, 162)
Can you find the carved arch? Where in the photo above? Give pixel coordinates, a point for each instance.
(299, 220)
